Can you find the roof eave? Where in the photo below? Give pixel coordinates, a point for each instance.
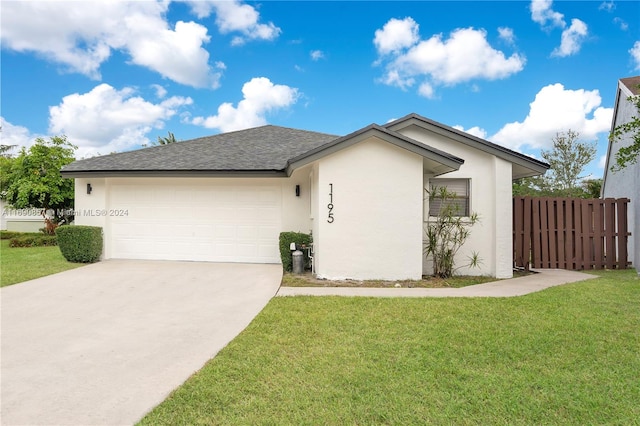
(172, 173)
(450, 162)
(467, 139)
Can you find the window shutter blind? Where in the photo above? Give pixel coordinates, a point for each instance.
(461, 203)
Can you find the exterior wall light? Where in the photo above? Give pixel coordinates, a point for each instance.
(297, 190)
(89, 188)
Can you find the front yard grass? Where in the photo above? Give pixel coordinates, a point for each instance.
(18, 264)
(565, 356)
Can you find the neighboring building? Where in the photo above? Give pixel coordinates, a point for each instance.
(626, 182)
(225, 198)
(20, 220)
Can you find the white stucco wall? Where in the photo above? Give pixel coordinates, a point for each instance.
(377, 211)
(89, 208)
(296, 211)
(490, 197)
(626, 182)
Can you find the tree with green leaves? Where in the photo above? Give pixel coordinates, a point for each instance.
(627, 155)
(591, 188)
(171, 138)
(567, 159)
(447, 233)
(33, 177)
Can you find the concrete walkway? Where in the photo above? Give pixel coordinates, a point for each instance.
(105, 343)
(542, 279)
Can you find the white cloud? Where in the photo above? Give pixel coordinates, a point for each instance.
(161, 92)
(609, 6)
(15, 135)
(82, 35)
(571, 39)
(507, 34)
(556, 109)
(475, 131)
(316, 55)
(635, 55)
(426, 90)
(106, 120)
(234, 17)
(396, 35)
(176, 54)
(542, 13)
(621, 23)
(393, 78)
(260, 96)
(464, 56)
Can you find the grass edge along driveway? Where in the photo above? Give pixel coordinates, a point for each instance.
(19, 264)
(566, 355)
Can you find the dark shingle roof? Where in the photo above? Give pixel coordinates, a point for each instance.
(272, 150)
(259, 149)
(632, 84)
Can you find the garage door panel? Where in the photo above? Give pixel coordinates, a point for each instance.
(268, 233)
(225, 232)
(220, 222)
(247, 215)
(223, 197)
(268, 197)
(205, 231)
(250, 250)
(268, 215)
(247, 233)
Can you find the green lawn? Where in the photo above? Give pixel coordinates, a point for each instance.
(569, 355)
(26, 263)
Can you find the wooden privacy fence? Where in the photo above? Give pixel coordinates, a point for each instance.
(570, 233)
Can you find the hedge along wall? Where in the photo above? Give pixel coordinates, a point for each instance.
(79, 243)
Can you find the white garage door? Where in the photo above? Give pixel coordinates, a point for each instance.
(214, 222)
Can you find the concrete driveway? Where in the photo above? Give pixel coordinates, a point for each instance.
(105, 343)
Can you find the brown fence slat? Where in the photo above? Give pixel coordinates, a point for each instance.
(518, 231)
(577, 230)
(536, 235)
(598, 230)
(623, 233)
(587, 220)
(545, 260)
(570, 233)
(552, 229)
(526, 232)
(610, 234)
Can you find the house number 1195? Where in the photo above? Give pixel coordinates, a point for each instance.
(330, 218)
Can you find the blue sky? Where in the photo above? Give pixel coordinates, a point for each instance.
(114, 75)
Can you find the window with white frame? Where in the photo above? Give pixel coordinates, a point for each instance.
(460, 187)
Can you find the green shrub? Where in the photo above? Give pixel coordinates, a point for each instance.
(286, 238)
(80, 244)
(447, 233)
(8, 235)
(33, 240)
